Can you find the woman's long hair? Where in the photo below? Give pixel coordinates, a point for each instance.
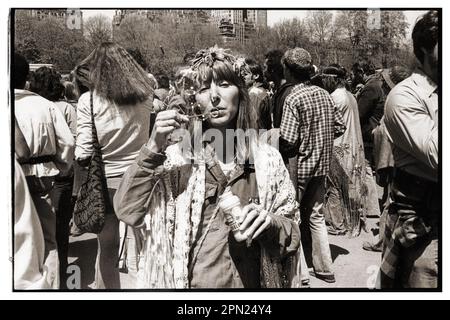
(116, 76)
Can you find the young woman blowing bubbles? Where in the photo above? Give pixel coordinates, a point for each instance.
(191, 237)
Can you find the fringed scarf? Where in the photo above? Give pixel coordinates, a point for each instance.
(166, 258)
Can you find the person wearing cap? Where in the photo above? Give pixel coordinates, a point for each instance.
(309, 124)
(411, 248)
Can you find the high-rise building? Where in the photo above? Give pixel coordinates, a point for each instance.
(260, 18)
(239, 25)
(72, 18)
(46, 13)
(119, 15)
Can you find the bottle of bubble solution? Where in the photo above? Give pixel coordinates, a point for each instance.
(231, 207)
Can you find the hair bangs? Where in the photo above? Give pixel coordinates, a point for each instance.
(218, 72)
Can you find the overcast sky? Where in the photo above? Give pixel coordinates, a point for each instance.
(273, 16)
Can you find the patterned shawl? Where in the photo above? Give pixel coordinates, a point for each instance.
(166, 258)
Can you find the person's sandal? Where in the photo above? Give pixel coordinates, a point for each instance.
(327, 277)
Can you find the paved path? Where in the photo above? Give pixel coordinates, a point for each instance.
(353, 266)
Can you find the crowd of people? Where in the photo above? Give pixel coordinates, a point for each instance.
(230, 173)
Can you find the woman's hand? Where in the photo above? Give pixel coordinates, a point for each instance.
(177, 102)
(165, 123)
(254, 221)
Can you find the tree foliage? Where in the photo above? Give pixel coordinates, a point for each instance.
(319, 25)
(97, 29)
(382, 43)
(48, 41)
(164, 43)
(160, 44)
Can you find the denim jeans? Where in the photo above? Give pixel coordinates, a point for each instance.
(106, 266)
(61, 196)
(304, 275)
(40, 189)
(135, 258)
(313, 229)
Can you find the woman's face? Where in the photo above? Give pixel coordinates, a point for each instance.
(222, 96)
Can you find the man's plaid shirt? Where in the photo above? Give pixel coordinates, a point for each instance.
(311, 121)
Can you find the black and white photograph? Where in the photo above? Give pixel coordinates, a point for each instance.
(225, 149)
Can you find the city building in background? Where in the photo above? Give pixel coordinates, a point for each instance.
(232, 25)
(72, 18)
(238, 25)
